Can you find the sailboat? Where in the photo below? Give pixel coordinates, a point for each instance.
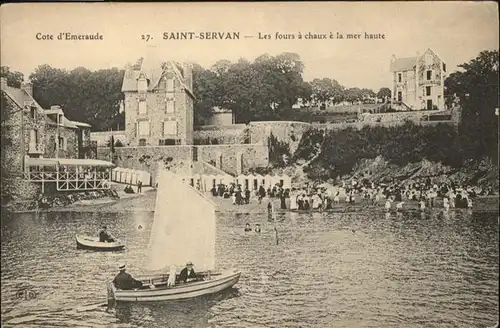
(183, 231)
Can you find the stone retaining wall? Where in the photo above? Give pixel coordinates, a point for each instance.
(233, 158)
(287, 131)
(227, 134)
(236, 158)
(102, 138)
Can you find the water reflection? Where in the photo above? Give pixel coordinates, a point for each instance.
(192, 313)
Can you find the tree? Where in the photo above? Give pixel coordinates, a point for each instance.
(326, 90)
(353, 94)
(93, 97)
(306, 92)
(477, 89)
(384, 93)
(14, 78)
(205, 88)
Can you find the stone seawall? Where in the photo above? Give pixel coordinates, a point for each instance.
(232, 158)
(236, 158)
(146, 158)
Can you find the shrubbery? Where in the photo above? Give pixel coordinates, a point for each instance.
(400, 145)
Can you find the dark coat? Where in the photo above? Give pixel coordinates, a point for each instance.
(124, 281)
(184, 276)
(105, 237)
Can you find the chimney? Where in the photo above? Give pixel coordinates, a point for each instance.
(28, 87)
(393, 58)
(187, 70)
(418, 54)
(3, 82)
(55, 107)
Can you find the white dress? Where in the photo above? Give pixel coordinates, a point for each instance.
(293, 202)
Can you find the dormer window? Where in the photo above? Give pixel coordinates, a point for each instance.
(170, 85)
(428, 59)
(33, 113)
(142, 84)
(400, 77)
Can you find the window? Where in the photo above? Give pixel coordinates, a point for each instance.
(170, 106)
(400, 77)
(169, 128)
(142, 107)
(143, 128)
(428, 59)
(429, 75)
(167, 142)
(34, 137)
(444, 67)
(142, 142)
(33, 113)
(62, 143)
(142, 85)
(427, 91)
(170, 85)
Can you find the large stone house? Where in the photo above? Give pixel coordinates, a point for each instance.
(158, 104)
(418, 82)
(35, 132)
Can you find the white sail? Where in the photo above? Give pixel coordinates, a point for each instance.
(184, 226)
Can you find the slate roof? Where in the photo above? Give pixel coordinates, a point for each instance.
(403, 64)
(153, 71)
(20, 96)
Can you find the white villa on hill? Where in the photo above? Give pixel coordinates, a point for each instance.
(418, 82)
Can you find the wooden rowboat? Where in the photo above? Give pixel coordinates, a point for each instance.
(93, 243)
(155, 288)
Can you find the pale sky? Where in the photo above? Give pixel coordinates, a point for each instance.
(456, 31)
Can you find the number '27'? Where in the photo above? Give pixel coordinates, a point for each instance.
(146, 37)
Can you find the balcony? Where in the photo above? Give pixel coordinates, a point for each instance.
(35, 149)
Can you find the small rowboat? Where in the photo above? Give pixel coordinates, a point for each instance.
(155, 287)
(93, 243)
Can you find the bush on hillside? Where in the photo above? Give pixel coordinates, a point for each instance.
(400, 145)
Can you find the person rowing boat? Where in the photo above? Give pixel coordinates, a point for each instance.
(124, 280)
(105, 236)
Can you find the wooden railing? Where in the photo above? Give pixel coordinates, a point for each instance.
(72, 180)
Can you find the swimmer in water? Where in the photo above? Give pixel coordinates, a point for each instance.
(247, 227)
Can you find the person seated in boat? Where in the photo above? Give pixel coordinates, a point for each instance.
(247, 227)
(124, 280)
(187, 274)
(105, 236)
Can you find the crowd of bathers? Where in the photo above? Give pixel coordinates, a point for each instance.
(353, 191)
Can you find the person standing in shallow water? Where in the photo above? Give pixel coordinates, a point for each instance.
(257, 228)
(283, 201)
(269, 211)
